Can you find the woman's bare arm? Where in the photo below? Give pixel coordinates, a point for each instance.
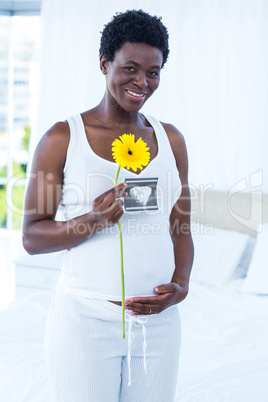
(41, 233)
(180, 217)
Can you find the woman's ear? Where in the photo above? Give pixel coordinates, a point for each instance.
(103, 64)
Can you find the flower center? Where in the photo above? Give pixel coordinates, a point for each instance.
(130, 152)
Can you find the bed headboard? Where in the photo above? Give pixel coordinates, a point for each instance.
(241, 212)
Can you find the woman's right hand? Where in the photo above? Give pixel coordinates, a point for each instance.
(108, 207)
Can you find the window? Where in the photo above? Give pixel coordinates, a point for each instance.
(19, 60)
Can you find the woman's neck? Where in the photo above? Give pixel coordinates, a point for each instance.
(113, 115)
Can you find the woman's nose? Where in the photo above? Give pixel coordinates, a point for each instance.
(140, 80)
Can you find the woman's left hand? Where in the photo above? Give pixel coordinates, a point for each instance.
(167, 295)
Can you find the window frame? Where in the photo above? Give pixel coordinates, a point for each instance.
(10, 181)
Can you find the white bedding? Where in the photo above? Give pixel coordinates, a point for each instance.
(224, 355)
(22, 369)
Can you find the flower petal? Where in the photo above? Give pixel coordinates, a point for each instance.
(130, 154)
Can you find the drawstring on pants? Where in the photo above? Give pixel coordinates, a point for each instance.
(137, 321)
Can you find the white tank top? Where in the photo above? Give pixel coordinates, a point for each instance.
(92, 269)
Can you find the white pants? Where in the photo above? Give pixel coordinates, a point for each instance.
(89, 361)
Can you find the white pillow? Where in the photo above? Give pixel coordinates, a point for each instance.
(217, 254)
(257, 277)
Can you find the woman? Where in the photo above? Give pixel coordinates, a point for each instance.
(88, 358)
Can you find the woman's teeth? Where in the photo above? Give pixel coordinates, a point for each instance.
(134, 94)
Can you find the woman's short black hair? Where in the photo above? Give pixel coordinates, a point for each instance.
(134, 26)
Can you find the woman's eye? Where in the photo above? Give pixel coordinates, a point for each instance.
(129, 68)
(154, 73)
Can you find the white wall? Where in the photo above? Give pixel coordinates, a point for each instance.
(214, 87)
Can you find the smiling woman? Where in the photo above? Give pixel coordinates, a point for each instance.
(76, 157)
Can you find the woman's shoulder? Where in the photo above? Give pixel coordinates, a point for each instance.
(174, 135)
(58, 134)
(178, 145)
(59, 130)
(53, 145)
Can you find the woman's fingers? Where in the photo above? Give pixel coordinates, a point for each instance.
(109, 206)
(146, 310)
(109, 196)
(148, 305)
(117, 216)
(114, 190)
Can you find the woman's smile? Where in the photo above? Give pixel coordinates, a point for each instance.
(136, 96)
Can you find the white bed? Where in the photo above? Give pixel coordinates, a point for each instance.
(224, 353)
(22, 368)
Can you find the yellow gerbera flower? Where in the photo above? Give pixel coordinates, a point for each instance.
(130, 154)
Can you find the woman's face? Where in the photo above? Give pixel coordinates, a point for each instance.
(133, 75)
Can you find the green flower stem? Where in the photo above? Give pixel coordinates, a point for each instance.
(117, 174)
(122, 278)
(122, 262)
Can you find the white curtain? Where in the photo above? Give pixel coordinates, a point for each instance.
(214, 87)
